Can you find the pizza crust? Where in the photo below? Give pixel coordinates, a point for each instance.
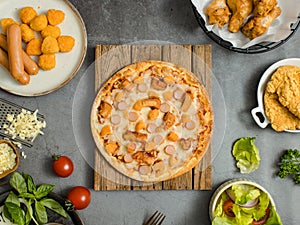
(160, 109)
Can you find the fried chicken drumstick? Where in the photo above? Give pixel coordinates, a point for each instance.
(263, 7)
(258, 25)
(218, 12)
(240, 10)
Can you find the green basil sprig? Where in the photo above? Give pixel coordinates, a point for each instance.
(34, 198)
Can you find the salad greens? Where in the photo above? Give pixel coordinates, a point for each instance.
(289, 165)
(262, 212)
(246, 154)
(30, 202)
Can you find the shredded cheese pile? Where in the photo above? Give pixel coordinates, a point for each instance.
(7, 158)
(24, 125)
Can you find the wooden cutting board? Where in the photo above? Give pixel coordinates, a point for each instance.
(111, 58)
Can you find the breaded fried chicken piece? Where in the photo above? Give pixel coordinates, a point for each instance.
(27, 33)
(218, 12)
(55, 16)
(6, 22)
(47, 61)
(49, 45)
(240, 10)
(286, 84)
(258, 25)
(53, 31)
(280, 117)
(65, 43)
(263, 7)
(27, 14)
(34, 47)
(39, 22)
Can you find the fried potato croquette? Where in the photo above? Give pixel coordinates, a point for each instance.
(49, 45)
(6, 22)
(27, 14)
(52, 31)
(258, 25)
(55, 16)
(218, 12)
(34, 47)
(240, 9)
(65, 43)
(39, 22)
(47, 61)
(27, 33)
(263, 7)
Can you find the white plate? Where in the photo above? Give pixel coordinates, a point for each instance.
(261, 89)
(67, 64)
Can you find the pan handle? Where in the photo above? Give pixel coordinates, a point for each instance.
(259, 117)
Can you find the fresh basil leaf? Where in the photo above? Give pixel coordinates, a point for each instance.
(6, 213)
(27, 195)
(13, 198)
(17, 214)
(40, 213)
(43, 190)
(29, 212)
(30, 183)
(27, 217)
(18, 183)
(54, 206)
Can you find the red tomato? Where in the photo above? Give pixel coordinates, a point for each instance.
(62, 166)
(227, 207)
(263, 220)
(80, 197)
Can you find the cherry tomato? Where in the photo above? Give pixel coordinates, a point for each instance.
(62, 166)
(227, 207)
(80, 197)
(263, 220)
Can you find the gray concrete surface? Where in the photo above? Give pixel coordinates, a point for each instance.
(118, 22)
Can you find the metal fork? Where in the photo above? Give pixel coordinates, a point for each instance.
(156, 219)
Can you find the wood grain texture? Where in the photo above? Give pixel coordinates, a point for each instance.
(111, 58)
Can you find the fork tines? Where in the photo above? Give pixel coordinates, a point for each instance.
(156, 219)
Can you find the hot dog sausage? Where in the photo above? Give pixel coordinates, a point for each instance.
(3, 42)
(15, 58)
(30, 65)
(4, 59)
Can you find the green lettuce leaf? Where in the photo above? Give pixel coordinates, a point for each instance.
(274, 218)
(244, 193)
(246, 154)
(241, 218)
(262, 206)
(223, 221)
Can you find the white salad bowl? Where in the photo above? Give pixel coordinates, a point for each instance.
(223, 187)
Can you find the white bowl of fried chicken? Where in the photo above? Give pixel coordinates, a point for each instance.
(247, 19)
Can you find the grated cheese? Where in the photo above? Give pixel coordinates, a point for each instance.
(24, 125)
(7, 157)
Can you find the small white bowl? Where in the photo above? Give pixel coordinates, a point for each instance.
(223, 187)
(258, 113)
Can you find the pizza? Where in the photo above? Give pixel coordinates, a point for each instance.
(152, 121)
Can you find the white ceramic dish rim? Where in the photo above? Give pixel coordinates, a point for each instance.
(215, 197)
(261, 89)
